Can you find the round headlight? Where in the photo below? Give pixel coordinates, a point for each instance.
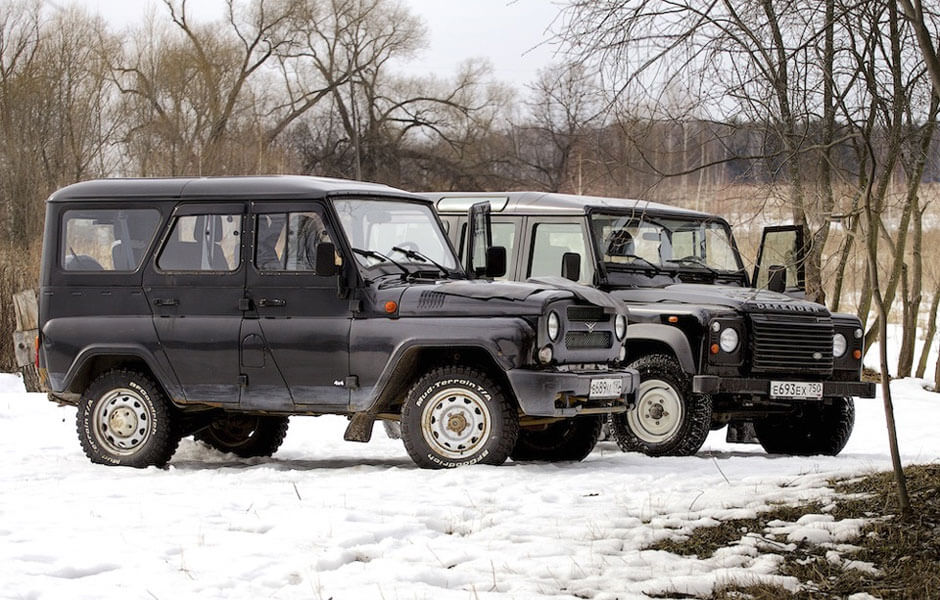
(728, 340)
(553, 326)
(858, 334)
(620, 326)
(838, 345)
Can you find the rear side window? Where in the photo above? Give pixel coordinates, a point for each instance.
(106, 239)
(551, 242)
(209, 242)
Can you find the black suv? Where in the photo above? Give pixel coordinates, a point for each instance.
(713, 346)
(218, 307)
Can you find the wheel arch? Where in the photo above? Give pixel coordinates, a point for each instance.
(644, 339)
(413, 362)
(94, 361)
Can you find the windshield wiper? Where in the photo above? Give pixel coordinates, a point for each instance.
(423, 258)
(380, 256)
(655, 268)
(694, 260)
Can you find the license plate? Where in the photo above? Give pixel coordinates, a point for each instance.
(796, 389)
(606, 388)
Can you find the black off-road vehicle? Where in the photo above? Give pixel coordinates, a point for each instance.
(713, 346)
(219, 307)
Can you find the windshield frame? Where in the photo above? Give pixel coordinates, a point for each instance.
(666, 268)
(371, 271)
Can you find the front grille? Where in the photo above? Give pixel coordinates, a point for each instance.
(587, 314)
(577, 340)
(795, 344)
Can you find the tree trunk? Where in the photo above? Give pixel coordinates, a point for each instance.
(928, 338)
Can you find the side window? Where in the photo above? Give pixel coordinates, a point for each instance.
(288, 241)
(550, 242)
(203, 243)
(106, 239)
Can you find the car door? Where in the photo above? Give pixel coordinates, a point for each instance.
(780, 265)
(194, 286)
(297, 319)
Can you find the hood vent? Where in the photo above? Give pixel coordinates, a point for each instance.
(430, 299)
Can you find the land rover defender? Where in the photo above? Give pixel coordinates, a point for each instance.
(218, 307)
(714, 347)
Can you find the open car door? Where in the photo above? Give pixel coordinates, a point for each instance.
(780, 261)
(483, 259)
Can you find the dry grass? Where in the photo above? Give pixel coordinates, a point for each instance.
(906, 554)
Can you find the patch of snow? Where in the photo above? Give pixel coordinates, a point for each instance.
(326, 518)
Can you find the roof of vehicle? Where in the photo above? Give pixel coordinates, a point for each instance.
(215, 188)
(549, 203)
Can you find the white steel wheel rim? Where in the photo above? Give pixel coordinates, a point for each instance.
(121, 421)
(658, 414)
(456, 423)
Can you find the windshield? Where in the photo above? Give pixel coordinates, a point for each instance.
(379, 226)
(668, 244)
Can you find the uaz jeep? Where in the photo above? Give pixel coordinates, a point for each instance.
(218, 307)
(713, 346)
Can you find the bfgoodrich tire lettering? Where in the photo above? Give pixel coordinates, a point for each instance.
(124, 419)
(456, 416)
(816, 429)
(246, 436)
(669, 420)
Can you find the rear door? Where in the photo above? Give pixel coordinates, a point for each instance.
(297, 320)
(195, 285)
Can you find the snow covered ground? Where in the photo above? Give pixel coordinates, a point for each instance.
(326, 518)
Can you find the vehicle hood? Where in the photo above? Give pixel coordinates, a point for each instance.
(748, 300)
(497, 298)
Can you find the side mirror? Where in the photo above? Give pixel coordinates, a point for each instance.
(777, 278)
(326, 261)
(495, 261)
(571, 266)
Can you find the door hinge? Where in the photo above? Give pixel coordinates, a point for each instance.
(243, 381)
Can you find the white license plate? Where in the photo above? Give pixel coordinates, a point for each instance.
(796, 389)
(606, 388)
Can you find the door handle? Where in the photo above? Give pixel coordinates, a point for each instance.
(269, 302)
(166, 302)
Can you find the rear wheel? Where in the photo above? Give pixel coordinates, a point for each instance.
(124, 419)
(668, 419)
(455, 416)
(568, 440)
(245, 435)
(816, 429)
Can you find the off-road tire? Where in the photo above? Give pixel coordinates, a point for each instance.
(245, 435)
(816, 429)
(455, 416)
(568, 440)
(125, 419)
(684, 419)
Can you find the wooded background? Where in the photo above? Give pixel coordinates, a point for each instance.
(819, 112)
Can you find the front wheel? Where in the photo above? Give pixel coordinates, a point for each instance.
(246, 436)
(668, 419)
(816, 429)
(568, 440)
(456, 416)
(124, 419)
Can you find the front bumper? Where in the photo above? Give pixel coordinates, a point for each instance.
(553, 393)
(713, 384)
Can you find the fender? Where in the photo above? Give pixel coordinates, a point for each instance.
(505, 346)
(672, 337)
(164, 376)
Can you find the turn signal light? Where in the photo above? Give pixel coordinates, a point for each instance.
(673, 319)
(715, 348)
(391, 306)
(857, 355)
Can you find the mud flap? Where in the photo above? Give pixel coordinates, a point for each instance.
(741, 432)
(359, 428)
